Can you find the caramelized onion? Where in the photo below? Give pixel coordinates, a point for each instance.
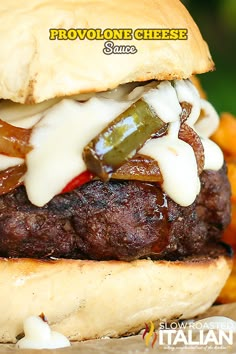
(11, 178)
(144, 168)
(140, 168)
(186, 110)
(14, 141)
(187, 134)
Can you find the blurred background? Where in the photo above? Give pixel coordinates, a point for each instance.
(217, 22)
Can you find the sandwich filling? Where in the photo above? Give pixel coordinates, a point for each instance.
(122, 175)
(60, 129)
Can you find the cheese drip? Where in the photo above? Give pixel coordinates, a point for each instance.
(38, 335)
(62, 128)
(178, 165)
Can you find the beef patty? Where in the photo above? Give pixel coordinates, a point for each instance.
(121, 220)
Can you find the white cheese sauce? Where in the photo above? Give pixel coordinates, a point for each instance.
(14, 113)
(22, 116)
(178, 165)
(187, 92)
(59, 139)
(7, 162)
(38, 335)
(63, 127)
(214, 157)
(209, 122)
(163, 100)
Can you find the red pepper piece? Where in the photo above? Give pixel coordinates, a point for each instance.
(78, 181)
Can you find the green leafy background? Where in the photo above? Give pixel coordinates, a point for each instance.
(217, 22)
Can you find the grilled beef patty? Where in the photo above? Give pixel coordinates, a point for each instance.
(121, 220)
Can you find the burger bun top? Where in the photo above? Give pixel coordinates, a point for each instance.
(34, 68)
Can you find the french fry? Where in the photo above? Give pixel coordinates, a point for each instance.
(225, 136)
(228, 293)
(230, 233)
(232, 178)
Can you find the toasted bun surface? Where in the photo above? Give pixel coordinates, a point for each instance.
(34, 68)
(88, 299)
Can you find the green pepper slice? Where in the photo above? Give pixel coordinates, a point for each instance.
(121, 139)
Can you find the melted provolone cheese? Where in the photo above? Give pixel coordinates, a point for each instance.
(163, 100)
(178, 165)
(58, 141)
(63, 127)
(14, 113)
(6, 162)
(187, 92)
(38, 335)
(214, 157)
(209, 122)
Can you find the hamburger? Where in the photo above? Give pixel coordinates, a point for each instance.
(113, 198)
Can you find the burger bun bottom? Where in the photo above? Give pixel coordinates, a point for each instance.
(85, 299)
